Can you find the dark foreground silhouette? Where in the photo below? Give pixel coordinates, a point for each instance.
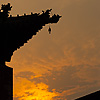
(92, 96)
(15, 31)
(6, 83)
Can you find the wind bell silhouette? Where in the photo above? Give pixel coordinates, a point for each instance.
(49, 30)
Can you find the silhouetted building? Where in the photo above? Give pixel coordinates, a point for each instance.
(14, 32)
(92, 96)
(6, 83)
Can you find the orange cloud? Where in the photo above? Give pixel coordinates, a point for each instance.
(27, 90)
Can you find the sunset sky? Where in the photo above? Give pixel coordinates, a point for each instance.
(64, 65)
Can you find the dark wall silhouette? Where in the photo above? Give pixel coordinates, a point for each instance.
(6, 83)
(15, 31)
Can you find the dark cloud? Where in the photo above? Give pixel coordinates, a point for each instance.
(26, 74)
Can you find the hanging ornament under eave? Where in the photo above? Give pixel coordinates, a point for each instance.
(49, 30)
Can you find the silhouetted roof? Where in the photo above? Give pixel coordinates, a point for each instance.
(15, 31)
(92, 96)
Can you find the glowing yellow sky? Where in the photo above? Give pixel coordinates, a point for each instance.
(66, 64)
